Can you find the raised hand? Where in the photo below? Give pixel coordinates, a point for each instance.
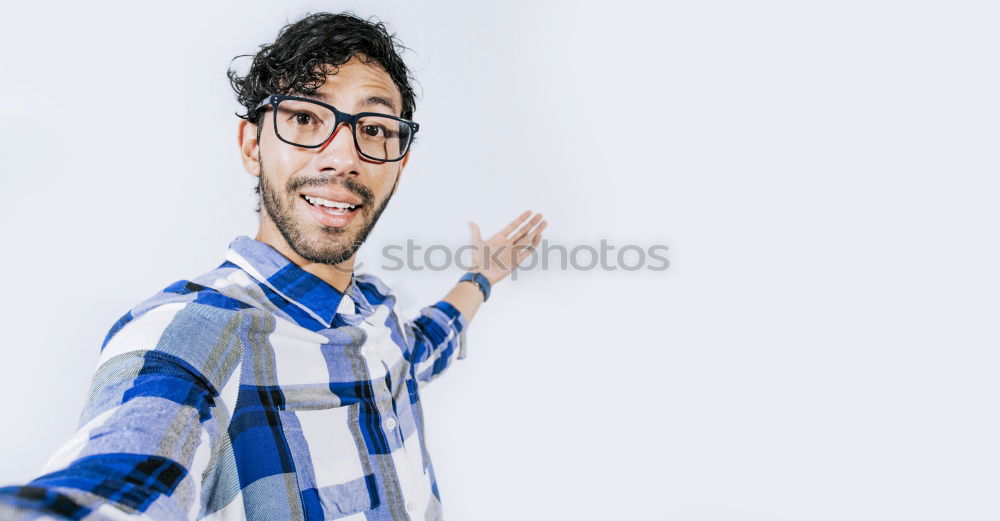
(497, 256)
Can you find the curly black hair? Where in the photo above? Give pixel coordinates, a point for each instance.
(306, 51)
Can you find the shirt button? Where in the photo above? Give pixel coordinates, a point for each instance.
(411, 505)
(390, 423)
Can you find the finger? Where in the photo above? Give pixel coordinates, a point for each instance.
(474, 233)
(514, 224)
(527, 250)
(527, 226)
(530, 236)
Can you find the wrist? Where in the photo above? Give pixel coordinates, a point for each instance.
(480, 281)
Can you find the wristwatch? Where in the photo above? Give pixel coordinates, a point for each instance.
(481, 281)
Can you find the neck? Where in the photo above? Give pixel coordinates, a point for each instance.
(336, 275)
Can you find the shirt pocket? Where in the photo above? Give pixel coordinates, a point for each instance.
(336, 457)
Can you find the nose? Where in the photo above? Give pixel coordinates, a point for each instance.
(339, 153)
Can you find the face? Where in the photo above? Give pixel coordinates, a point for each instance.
(300, 188)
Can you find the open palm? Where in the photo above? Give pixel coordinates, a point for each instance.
(497, 256)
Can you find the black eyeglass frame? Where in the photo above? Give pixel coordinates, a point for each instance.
(341, 117)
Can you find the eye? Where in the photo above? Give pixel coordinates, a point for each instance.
(373, 130)
(302, 118)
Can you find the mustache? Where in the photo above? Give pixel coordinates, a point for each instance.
(351, 185)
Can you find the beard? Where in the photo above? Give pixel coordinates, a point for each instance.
(311, 241)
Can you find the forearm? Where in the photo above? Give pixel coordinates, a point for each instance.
(466, 297)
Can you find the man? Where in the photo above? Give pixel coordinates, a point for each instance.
(282, 384)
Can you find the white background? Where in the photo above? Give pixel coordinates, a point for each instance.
(823, 346)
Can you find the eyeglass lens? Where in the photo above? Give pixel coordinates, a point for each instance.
(309, 124)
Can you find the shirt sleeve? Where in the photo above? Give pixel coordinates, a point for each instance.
(145, 435)
(436, 337)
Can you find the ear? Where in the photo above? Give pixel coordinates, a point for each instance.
(402, 163)
(246, 138)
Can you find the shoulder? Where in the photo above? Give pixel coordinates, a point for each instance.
(160, 308)
(195, 323)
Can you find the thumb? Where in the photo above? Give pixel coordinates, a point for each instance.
(474, 233)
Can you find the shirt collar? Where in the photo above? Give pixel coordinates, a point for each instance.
(301, 288)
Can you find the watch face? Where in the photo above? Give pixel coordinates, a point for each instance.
(481, 281)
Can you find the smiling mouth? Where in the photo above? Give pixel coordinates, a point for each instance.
(331, 207)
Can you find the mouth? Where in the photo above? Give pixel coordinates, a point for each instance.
(331, 207)
(330, 213)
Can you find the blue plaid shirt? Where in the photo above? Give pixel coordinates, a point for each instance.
(255, 391)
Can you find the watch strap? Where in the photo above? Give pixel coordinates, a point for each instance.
(481, 281)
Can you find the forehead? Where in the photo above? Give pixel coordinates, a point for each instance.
(356, 86)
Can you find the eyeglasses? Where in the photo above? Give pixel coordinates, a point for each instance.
(308, 123)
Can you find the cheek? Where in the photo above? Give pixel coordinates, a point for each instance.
(386, 178)
(280, 163)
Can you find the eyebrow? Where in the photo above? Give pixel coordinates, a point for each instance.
(370, 101)
(379, 100)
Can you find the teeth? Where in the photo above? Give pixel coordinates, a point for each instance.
(329, 204)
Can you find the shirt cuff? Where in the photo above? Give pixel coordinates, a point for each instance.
(456, 321)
